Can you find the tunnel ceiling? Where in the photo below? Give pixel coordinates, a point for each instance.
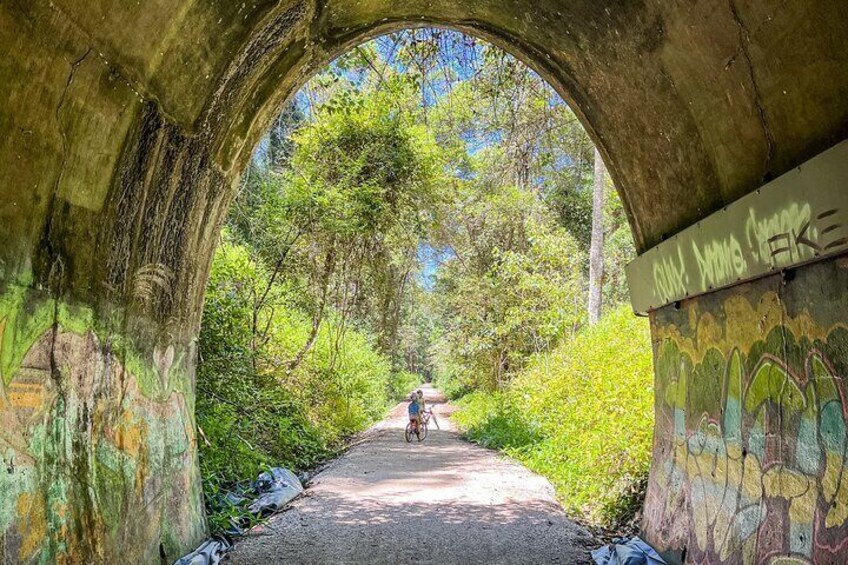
(694, 104)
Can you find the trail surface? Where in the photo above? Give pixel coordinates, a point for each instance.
(443, 501)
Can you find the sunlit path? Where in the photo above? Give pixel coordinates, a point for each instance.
(442, 501)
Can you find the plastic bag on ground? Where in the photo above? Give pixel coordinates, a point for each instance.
(627, 551)
(276, 488)
(210, 552)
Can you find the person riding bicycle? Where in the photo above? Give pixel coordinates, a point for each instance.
(414, 410)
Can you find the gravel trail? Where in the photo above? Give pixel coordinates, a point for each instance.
(443, 501)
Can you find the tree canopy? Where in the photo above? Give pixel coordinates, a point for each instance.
(420, 209)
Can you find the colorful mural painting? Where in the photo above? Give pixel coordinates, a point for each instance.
(751, 441)
(97, 461)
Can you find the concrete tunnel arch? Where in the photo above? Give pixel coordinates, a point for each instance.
(125, 128)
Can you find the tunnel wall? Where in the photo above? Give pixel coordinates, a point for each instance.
(749, 462)
(123, 128)
(97, 442)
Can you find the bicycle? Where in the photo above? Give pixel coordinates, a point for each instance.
(420, 431)
(413, 428)
(428, 414)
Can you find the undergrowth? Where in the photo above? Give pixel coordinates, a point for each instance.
(253, 410)
(581, 415)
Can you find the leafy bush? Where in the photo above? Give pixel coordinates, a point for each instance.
(401, 383)
(451, 376)
(582, 415)
(253, 411)
(493, 420)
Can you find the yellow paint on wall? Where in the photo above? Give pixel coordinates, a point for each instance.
(832, 474)
(838, 513)
(130, 434)
(22, 395)
(744, 324)
(32, 516)
(781, 481)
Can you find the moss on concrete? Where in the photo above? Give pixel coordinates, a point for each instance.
(124, 129)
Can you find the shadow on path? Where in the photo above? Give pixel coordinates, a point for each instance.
(440, 501)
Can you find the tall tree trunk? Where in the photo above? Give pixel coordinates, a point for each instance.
(596, 250)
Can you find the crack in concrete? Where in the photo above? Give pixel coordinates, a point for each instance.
(744, 39)
(56, 264)
(74, 66)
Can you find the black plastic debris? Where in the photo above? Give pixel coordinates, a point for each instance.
(271, 491)
(627, 551)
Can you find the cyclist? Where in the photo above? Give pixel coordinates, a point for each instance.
(414, 410)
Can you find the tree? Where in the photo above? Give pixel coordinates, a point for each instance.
(596, 250)
(365, 173)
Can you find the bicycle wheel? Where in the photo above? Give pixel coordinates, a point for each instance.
(407, 433)
(422, 432)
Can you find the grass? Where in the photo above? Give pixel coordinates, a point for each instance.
(581, 415)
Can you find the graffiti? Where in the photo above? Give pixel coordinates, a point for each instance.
(800, 217)
(807, 237)
(763, 233)
(89, 463)
(719, 261)
(751, 441)
(795, 234)
(789, 236)
(670, 278)
(731, 480)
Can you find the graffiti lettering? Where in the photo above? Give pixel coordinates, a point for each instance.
(694, 265)
(807, 238)
(772, 235)
(670, 278)
(796, 219)
(719, 261)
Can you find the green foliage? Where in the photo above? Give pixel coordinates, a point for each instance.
(582, 415)
(321, 312)
(363, 167)
(252, 411)
(513, 288)
(494, 420)
(401, 383)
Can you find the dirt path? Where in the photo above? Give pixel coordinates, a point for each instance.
(444, 501)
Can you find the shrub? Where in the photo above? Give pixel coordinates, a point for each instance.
(253, 412)
(582, 415)
(401, 383)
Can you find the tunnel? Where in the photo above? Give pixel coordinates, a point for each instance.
(125, 128)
